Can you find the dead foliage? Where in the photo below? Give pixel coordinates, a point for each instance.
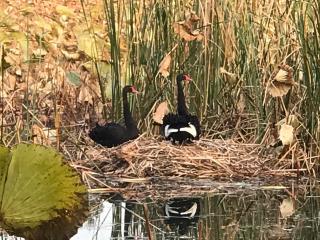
(281, 81)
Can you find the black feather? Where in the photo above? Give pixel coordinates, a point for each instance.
(114, 134)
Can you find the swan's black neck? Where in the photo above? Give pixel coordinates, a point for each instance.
(128, 119)
(182, 108)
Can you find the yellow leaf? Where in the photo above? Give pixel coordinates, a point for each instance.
(164, 66)
(161, 110)
(43, 23)
(286, 134)
(287, 207)
(63, 10)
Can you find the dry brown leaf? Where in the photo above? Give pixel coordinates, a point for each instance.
(164, 66)
(292, 120)
(281, 81)
(232, 77)
(184, 31)
(281, 76)
(193, 17)
(286, 134)
(287, 207)
(160, 112)
(84, 95)
(10, 82)
(69, 45)
(278, 89)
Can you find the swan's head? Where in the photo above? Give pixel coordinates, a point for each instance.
(130, 89)
(183, 77)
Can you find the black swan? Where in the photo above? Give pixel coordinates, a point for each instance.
(182, 126)
(114, 134)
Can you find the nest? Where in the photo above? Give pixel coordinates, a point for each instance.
(154, 167)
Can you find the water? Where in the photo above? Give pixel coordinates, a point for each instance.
(265, 213)
(291, 213)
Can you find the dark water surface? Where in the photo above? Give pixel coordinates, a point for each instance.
(269, 212)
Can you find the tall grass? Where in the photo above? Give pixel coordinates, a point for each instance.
(247, 39)
(243, 44)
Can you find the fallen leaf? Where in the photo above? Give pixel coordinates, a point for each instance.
(183, 31)
(286, 134)
(287, 207)
(39, 52)
(281, 76)
(164, 66)
(84, 95)
(63, 10)
(281, 81)
(292, 120)
(160, 112)
(232, 77)
(193, 17)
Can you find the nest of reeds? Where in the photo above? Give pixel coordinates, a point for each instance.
(150, 166)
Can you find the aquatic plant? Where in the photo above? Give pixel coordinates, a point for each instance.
(41, 197)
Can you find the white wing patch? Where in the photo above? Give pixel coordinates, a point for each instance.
(168, 130)
(191, 129)
(169, 210)
(191, 211)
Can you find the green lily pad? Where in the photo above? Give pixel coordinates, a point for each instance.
(41, 196)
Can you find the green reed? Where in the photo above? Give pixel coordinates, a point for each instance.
(248, 40)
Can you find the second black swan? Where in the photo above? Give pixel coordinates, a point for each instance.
(182, 126)
(114, 134)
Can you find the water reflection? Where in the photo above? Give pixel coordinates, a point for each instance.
(291, 213)
(181, 213)
(262, 214)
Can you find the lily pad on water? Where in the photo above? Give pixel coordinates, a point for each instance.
(41, 196)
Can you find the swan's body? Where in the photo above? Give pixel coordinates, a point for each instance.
(114, 134)
(181, 126)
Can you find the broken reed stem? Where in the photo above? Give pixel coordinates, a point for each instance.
(146, 216)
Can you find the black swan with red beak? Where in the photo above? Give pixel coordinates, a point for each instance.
(182, 126)
(114, 134)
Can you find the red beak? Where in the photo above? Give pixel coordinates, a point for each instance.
(134, 90)
(187, 78)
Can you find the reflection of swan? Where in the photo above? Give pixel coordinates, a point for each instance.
(180, 213)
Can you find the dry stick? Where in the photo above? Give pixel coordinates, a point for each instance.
(146, 216)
